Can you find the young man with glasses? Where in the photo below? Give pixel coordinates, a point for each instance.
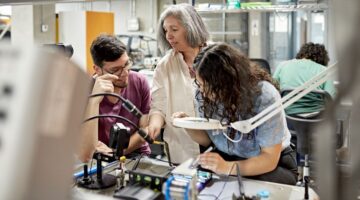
(112, 75)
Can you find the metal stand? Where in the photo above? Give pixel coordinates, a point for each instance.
(306, 177)
(101, 181)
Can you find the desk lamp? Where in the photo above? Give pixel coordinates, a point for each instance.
(245, 126)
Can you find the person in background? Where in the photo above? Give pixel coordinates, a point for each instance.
(231, 89)
(310, 61)
(112, 75)
(182, 33)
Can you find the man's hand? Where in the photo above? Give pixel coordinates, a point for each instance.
(103, 148)
(103, 83)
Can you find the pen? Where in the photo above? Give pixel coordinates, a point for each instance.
(196, 162)
(241, 185)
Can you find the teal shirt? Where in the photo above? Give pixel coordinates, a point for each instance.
(294, 73)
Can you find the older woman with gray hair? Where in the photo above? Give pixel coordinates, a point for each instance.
(181, 34)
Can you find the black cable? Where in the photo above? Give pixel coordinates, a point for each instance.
(166, 145)
(227, 180)
(114, 116)
(128, 105)
(137, 162)
(141, 132)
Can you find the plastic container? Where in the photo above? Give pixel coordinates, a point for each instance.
(233, 4)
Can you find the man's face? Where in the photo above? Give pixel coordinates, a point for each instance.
(120, 68)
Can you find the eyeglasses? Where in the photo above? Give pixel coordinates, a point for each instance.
(119, 70)
(198, 84)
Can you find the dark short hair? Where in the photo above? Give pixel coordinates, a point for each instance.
(314, 52)
(106, 48)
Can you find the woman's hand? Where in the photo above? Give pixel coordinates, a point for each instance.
(153, 130)
(179, 115)
(156, 121)
(215, 163)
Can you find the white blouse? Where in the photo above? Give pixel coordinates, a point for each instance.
(173, 91)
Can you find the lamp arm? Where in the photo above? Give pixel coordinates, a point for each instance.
(245, 126)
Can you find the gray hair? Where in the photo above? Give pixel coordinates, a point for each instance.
(196, 31)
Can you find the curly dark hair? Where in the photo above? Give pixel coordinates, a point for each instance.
(314, 52)
(230, 80)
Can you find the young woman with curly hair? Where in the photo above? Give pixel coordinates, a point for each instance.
(231, 88)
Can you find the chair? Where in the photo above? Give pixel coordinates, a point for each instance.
(321, 96)
(303, 131)
(262, 63)
(303, 128)
(301, 124)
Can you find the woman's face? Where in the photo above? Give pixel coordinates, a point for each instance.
(175, 33)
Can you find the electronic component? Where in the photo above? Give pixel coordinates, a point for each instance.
(148, 174)
(203, 178)
(186, 182)
(119, 139)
